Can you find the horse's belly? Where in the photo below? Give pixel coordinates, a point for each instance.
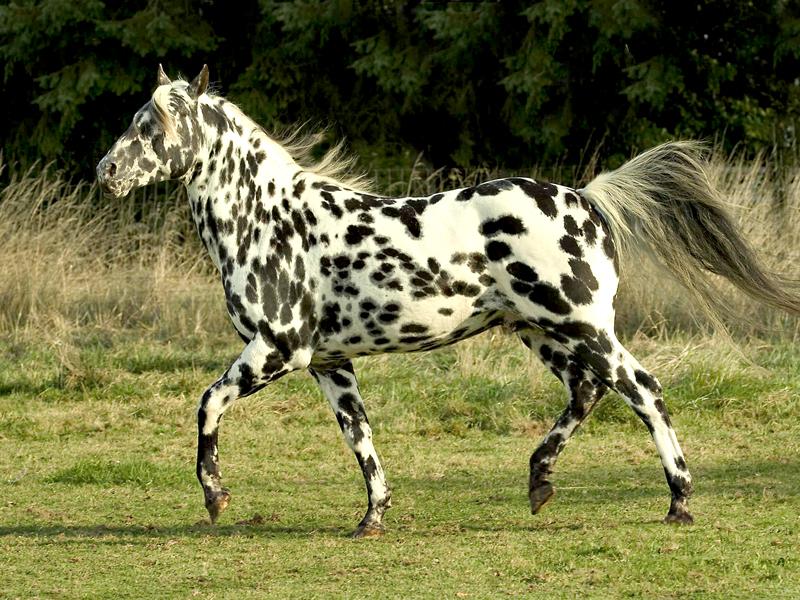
(388, 330)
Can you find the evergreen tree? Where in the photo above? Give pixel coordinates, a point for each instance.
(488, 83)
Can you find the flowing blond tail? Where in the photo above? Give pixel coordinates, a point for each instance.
(663, 200)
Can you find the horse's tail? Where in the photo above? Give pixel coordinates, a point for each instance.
(663, 200)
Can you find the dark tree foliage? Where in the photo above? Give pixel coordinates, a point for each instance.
(495, 83)
(75, 71)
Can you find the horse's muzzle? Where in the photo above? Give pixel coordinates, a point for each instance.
(109, 184)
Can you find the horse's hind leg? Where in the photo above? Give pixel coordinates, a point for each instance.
(611, 362)
(341, 389)
(644, 395)
(584, 390)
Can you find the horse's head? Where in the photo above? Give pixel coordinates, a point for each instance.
(162, 142)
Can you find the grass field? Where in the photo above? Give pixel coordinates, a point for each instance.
(99, 497)
(112, 324)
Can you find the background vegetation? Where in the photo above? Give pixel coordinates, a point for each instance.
(498, 84)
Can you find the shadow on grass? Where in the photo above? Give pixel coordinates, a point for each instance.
(120, 534)
(137, 365)
(30, 388)
(597, 491)
(621, 482)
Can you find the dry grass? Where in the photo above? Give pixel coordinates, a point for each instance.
(74, 261)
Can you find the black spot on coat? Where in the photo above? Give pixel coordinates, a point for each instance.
(356, 233)
(507, 224)
(550, 298)
(497, 250)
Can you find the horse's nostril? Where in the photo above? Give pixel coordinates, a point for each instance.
(112, 169)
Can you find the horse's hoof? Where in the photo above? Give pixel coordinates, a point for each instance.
(540, 495)
(679, 518)
(218, 503)
(370, 530)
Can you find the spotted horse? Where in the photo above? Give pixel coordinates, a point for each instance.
(317, 270)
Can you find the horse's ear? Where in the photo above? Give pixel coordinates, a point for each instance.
(162, 77)
(199, 84)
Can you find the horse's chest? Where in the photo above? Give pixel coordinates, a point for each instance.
(243, 300)
(266, 294)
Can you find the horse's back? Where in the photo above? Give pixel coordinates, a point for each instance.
(414, 273)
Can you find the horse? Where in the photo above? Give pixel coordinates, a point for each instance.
(318, 270)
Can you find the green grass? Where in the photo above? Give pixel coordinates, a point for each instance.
(97, 444)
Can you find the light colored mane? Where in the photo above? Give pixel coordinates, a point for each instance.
(299, 145)
(160, 103)
(335, 164)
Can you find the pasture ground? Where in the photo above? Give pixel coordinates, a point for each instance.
(99, 499)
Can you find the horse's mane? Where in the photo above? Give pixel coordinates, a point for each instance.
(159, 102)
(297, 142)
(335, 164)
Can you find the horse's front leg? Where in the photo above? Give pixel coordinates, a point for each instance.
(257, 365)
(341, 389)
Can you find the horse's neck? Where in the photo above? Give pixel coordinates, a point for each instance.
(242, 176)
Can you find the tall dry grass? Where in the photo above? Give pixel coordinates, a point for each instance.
(75, 262)
(72, 260)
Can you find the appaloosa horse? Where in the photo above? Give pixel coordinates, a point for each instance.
(317, 270)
